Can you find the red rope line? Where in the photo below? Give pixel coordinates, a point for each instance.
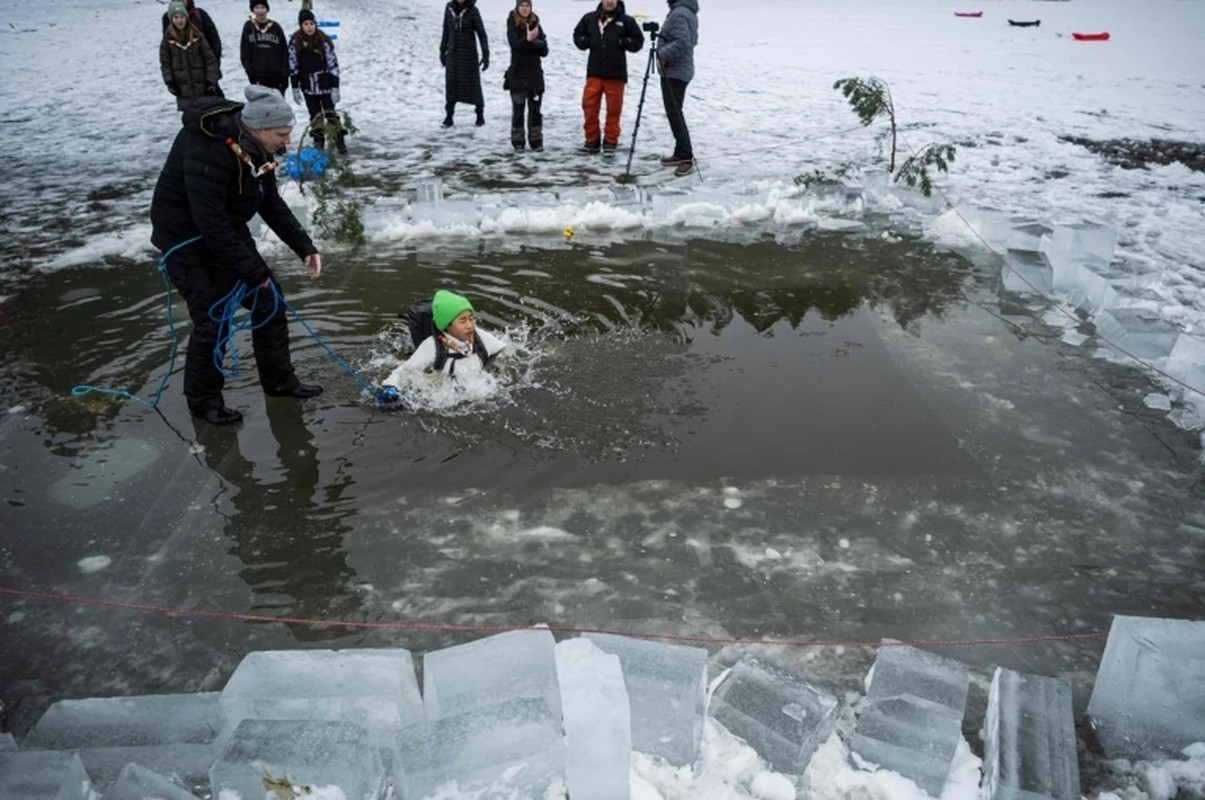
(450, 627)
(1050, 300)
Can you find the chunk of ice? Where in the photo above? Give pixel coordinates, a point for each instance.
(1027, 272)
(908, 736)
(927, 677)
(1029, 739)
(598, 721)
(7, 742)
(38, 776)
(995, 227)
(1028, 235)
(177, 734)
(515, 748)
(128, 721)
(265, 754)
(139, 783)
(911, 719)
(373, 688)
(1084, 240)
(667, 686)
(780, 715)
(1149, 698)
(486, 671)
(429, 190)
(1138, 331)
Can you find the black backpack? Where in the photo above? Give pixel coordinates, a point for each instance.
(421, 323)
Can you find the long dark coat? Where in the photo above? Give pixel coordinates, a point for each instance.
(458, 52)
(526, 74)
(186, 62)
(203, 23)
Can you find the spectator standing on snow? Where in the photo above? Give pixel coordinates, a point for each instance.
(525, 76)
(314, 71)
(218, 175)
(188, 66)
(676, 62)
(463, 28)
(264, 50)
(204, 23)
(609, 34)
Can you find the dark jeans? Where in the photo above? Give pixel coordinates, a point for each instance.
(673, 92)
(522, 103)
(202, 283)
(322, 115)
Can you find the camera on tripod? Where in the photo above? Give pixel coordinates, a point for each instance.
(650, 27)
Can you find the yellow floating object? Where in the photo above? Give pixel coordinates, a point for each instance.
(568, 233)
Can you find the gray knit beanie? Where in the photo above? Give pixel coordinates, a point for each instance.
(176, 7)
(266, 108)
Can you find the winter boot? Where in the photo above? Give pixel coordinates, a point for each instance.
(516, 139)
(591, 148)
(319, 139)
(684, 168)
(480, 116)
(341, 145)
(609, 148)
(447, 123)
(535, 137)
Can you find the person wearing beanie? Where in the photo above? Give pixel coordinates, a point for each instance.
(676, 63)
(463, 29)
(525, 76)
(264, 49)
(314, 73)
(608, 34)
(217, 176)
(447, 339)
(186, 62)
(204, 23)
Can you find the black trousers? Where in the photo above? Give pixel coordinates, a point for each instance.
(322, 108)
(673, 93)
(202, 283)
(526, 104)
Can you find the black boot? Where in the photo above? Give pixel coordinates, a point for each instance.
(218, 415)
(301, 391)
(447, 123)
(516, 139)
(319, 139)
(535, 137)
(341, 145)
(591, 148)
(480, 116)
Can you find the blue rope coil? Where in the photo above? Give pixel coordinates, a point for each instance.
(225, 313)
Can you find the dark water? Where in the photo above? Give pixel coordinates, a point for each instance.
(842, 439)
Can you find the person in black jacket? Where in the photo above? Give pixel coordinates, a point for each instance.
(314, 70)
(187, 64)
(458, 56)
(204, 23)
(609, 34)
(217, 176)
(264, 50)
(525, 76)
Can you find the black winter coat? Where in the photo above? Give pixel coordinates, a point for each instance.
(313, 65)
(526, 73)
(458, 52)
(187, 63)
(204, 188)
(204, 23)
(264, 52)
(610, 43)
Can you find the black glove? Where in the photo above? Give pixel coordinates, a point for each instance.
(485, 63)
(443, 59)
(173, 88)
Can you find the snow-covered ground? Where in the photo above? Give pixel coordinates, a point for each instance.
(89, 123)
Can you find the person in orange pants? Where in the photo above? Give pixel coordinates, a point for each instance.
(609, 34)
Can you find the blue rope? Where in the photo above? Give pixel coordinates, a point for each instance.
(225, 313)
(83, 389)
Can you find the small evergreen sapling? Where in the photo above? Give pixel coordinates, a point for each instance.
(870, 99)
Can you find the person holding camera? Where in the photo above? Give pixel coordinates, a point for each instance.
(609, 34)
(676, 61)
(525, 76)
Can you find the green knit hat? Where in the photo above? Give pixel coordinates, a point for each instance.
(446, 306)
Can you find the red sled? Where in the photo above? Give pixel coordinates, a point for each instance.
(968, 13)
(1091, 37)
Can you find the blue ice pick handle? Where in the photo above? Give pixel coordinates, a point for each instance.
(389, 394)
